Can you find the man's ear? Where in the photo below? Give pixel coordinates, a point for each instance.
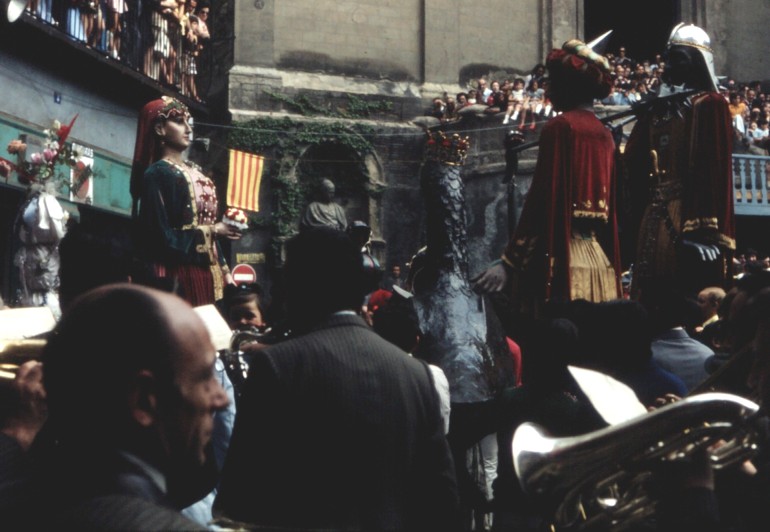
(143, 399)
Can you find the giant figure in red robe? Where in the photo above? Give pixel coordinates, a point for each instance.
(565, 245)
(680, 166)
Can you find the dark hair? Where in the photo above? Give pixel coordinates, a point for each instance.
(324, 274)
(397, 322)
(239, 294)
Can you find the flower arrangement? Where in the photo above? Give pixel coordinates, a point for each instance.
(236, 218)
(41, 167)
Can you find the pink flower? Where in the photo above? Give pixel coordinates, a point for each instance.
(36, 158)
(49, 155)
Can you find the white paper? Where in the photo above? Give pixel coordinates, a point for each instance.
(614, 401)
(25, 322)
(218, 329)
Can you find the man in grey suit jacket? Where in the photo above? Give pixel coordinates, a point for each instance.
(337, 429)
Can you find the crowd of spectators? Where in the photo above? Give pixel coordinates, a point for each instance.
(658, 337)
(163, 39)
(521, 100)
(524, 103)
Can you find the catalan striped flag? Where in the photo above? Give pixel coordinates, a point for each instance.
(243, 181)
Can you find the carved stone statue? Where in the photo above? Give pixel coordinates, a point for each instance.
(324, 212)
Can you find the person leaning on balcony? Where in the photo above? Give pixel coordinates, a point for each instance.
(175, 207)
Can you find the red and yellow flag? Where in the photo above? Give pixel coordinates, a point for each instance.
(243, 181)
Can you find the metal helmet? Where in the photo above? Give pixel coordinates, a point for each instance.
(694, 37)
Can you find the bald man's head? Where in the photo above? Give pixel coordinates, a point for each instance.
(120, 346)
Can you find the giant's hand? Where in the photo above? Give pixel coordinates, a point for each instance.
(222, 229)
(492, 279)
(706, 252)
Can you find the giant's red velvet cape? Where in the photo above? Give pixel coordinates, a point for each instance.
(574, 178)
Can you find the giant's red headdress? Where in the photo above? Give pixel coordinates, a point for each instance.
(577, 64)
(146, 149)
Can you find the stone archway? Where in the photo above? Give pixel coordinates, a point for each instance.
(357, 178)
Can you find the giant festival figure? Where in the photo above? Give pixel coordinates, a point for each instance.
(175, 207)
(565, 246)
(680, 166)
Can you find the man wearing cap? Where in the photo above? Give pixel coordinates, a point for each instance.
(679, 163)
(338, 429)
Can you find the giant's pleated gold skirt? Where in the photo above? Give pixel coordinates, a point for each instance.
(592, 276)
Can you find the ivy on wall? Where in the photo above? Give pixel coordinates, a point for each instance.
(283, 140)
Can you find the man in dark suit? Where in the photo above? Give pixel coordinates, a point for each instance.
(131, 390)
(338, 428)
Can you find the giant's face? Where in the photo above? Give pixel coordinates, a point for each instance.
(176, 131)
(680, 67)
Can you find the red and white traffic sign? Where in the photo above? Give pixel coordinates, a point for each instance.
(244, 274)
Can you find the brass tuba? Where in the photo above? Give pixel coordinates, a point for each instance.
(599, 480)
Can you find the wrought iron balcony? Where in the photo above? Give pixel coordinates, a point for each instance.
(149, 44)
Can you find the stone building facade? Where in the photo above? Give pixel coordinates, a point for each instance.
(406, 52)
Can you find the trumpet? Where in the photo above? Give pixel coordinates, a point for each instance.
(600, 480)
(14, 353)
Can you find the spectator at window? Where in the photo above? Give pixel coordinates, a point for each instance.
(616, 97)
(116, 9)
(89, 10)
(642, 92)
(515, 101)
(158, 56)
(533, 103)
(482, 90)
(622, 59)
(737, 105)
(437, 109)
(654, 82)
(538, 73)
(764, 130)
(754, 132)
(497, 101)
(450, 113)
(190, 49)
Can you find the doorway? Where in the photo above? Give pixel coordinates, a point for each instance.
(643, 31)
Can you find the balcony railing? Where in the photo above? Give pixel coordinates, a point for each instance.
(140, 37)
(750, 179)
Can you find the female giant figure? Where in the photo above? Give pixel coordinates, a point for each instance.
(175, 207)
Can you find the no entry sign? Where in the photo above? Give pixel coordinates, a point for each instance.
(244, 274)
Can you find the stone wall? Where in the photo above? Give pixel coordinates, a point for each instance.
(399, 214)
(427, 41)
(743, 49)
